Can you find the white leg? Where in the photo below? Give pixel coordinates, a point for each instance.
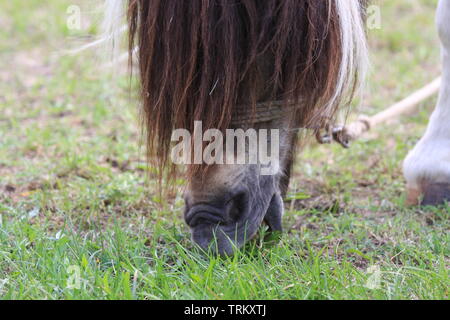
(427, 167)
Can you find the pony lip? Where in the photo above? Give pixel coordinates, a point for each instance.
(223, 240)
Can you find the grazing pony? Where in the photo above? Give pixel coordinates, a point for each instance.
(241, 64)
(221, 61)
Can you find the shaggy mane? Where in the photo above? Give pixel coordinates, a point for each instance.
(203, 59)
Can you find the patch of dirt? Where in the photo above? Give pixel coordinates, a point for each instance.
(18, 192)
(31, 66)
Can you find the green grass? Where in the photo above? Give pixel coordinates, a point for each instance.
(80, 220)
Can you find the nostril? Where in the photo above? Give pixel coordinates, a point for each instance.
(203, 215)
(237, 207)
(234, 212)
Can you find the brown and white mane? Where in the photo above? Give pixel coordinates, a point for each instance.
(203, 59)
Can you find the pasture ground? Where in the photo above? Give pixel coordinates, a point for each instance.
(79, 219)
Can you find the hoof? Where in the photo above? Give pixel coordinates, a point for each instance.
(436, 194)
(431, 194)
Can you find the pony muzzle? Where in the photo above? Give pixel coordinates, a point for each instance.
(224, 229)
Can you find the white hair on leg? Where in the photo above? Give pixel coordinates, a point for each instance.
(355, 59)
(429, 161)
